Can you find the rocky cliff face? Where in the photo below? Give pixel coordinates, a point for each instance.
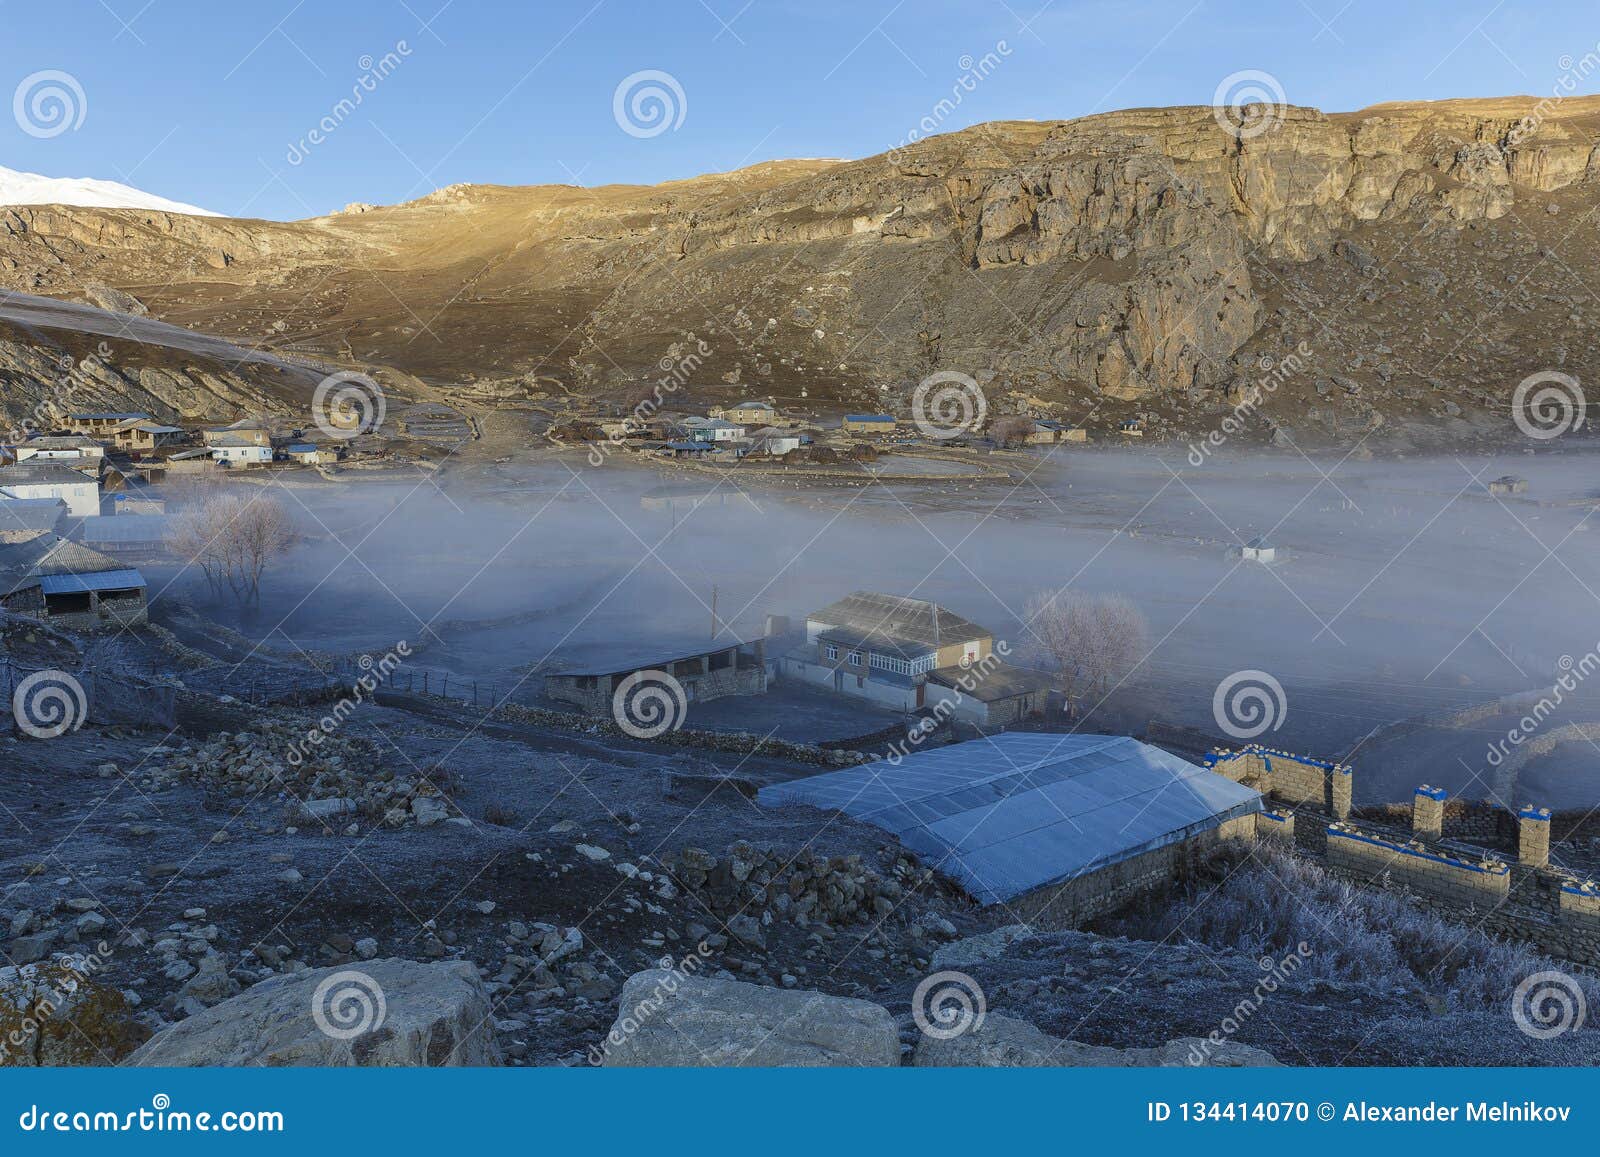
(1145, 258)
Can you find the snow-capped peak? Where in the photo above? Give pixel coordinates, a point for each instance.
(32, 189)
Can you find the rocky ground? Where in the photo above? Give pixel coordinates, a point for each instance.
(189, 868)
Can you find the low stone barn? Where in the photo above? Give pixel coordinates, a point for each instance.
(1058, 828)
(70, 585)
(83, 601)
(711, 671)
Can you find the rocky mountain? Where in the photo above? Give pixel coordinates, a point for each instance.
(1402, 267)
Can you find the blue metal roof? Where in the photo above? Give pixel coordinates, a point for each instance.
(1014, 812)
(869, 417)
(77, 584)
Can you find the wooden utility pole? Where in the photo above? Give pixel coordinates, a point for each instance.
(713, 610)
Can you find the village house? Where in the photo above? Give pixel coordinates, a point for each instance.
(715, 430)
(138, 502)
(102, 423)
(912, 655)
(704, 672)
(1057, 828)
(771, 440)
(245, 432)
(990, 694)
(1048, 432)
(1508, 485)
(746, 413)
(25, 519)
(144, 434)
(240, 450)
(70, 585)
(121, 535)
(1258, 549)
(308, 454)
(686, 449)
(874, 424)
(70, 449)
(79, 491)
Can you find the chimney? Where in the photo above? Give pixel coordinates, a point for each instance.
(1533, 836)
(1427, 812)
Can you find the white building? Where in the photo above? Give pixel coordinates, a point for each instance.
(78, 490)
(1256, 550)
(246, 454)
(70, 448)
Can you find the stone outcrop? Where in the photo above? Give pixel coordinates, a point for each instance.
(668, 1018)
(387, 1013)
(1006, 1042)
(54, 1013)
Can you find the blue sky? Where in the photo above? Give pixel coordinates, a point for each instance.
(206, 102)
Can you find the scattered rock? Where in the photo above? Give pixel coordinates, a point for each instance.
(1006, 1042)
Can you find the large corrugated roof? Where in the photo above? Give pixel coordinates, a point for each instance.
(1014, 812)
(872, 615)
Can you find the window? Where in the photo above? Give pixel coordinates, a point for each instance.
(833, 652)
(855, 658)
(918, 666)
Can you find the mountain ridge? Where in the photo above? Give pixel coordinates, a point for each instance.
(1142, 261)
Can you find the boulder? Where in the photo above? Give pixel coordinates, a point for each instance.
(209, 985)
(672, 1019)
(1005, 1042)
(387, 1013)
(51, 1013)
(977, 949)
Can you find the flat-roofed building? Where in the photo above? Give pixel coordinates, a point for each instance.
(879, 424)
(699, 672)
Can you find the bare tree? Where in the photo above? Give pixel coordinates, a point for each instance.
(1094, 638)
(192, 534)
(232, 540)
(1011, 428)
(261, 532)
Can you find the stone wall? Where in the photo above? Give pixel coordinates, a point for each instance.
(1472, 884)
(1073, 902)
(594, 693)
(1285, 776)
(1465, 860)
